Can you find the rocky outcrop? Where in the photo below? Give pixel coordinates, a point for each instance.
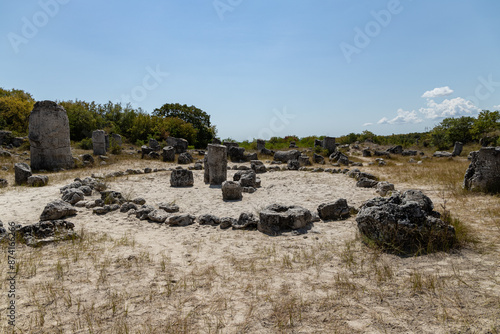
(231, 191)
(285, 156)
(334, 210)
(277, 218)
(483, 173)
(57, 210)
(181, 178)
(22, 172)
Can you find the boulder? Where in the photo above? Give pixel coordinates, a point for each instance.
(395, 149)
(246, 221)
(384, 187)
(180, 145)
(57, 209)
(483, 173)
(367, 153)
(127, 206)
(143, 212)
(442, 154)
(247, 178)
(227, 222)
(236, 154)
(145, 151)
(329, 144)
(258, 166)
(304, 160)
(318, 159)
(169, 207)
(50, 147)
(158, 216)
(285, 156)
(185, 158)
(87, 158)
(340, 158)
(180, 220)
(208, 220)
(168, 154)
(293, 165)
(334, 210)
(366, 183)
(277, 218)
(231, 191)
(181, 178)
(99, 142)
(38, 180)
(73, 195)
(153, 143)
(3, 183)
(22, 172)
(112, 197)
(405, 224)
(45, 232)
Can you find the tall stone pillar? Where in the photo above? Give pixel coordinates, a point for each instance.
(50, 146)
(217, 164)
(99, 142)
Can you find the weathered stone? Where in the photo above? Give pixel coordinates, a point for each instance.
(367, 153)
(169, 207)
(5, 154)
(3, 183)
(22, 172)
(246, 221)
(227, 222)
(395, 149)
(382, 154)
(87, 158)
(366, 183)
(304, 160)
(483, 173)
(148, 170)
(405, 224)
(318, 143)
(102, 210)
(143, 212)
(236, 154)
(318, 159)
(99, 142)
(112, 197)
(168, 154)
(57, 209)
(293, 165)
(258, 166)
(442, 154)
(329, 144)
(261, 145)
(158, 216)
(180, 220)
(334, 210)
(19, 141)
(276, 218)
(251, 156)
(180, 145)
(185, 158)
(409, 153)
(457, 149)
(153, 143)
(73, 195)
(208, 220)
(384, 187)
(339, 157)
(145, 151)
(6, 137)
(293, 145)
(49, 137)
(87, 191)
(231, 191)
(45, 232)
(285, 156)
(38, 180)
(181, 178)
(249, 190)
(126, 207)
(216, 164)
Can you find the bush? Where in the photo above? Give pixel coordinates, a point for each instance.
(86, 144)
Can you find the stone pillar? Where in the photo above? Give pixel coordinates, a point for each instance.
(22, 172)
(457, 150)
(483, 173)
(329, 144)
(261, 145)
(117, 139)
(206, 173)
(99, 142)
(217, 164)
(168, 154)
(49, 137)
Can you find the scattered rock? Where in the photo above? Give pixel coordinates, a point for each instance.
(181, 220)
(276, 218)
(139, 201)
(483, 173)
(334, 210)
(285, 156)
(46, 232)
(185, 158)
(168, 154)
(57, 209)
(22, 172)
(208, 220)
(442, 154)
(246, 221)
(181, 178)
(126, 207)
(231, 191)
(384, 187)
(3, 183)
(158, 216)
(169, 207)
(73, 195)
(227, 222)
(293, 165)
(366, 183)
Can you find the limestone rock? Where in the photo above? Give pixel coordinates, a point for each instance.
(231, 191)
(185, 158)
(45, 232)
(22, 172)
(285, 156)
(180, 145)
(276, 218)
(246, 221)
(38, 180)
(334, 210)
(168, 154)
(216, 164)
(181, 178)
(208, 220)
(57, 210)
(49, 137)
(99, 142)
(483, 173)
(181, 220)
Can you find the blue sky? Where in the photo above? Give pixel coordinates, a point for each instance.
(263, 68)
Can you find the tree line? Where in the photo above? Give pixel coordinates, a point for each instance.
(171, 119)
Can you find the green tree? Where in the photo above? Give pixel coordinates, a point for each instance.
(15, 109)
(487, 122)
(458, 129)
(190, 114)
(83, 118)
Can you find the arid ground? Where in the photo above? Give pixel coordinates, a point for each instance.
(130, 276)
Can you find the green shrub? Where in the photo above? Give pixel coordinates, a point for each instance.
(86, 144)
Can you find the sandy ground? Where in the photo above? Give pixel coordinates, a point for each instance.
(148, 278)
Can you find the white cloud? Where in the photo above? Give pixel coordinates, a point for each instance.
(438, 92)
(449, 108)
(367, 124)
(403, 117)
(496, 107)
